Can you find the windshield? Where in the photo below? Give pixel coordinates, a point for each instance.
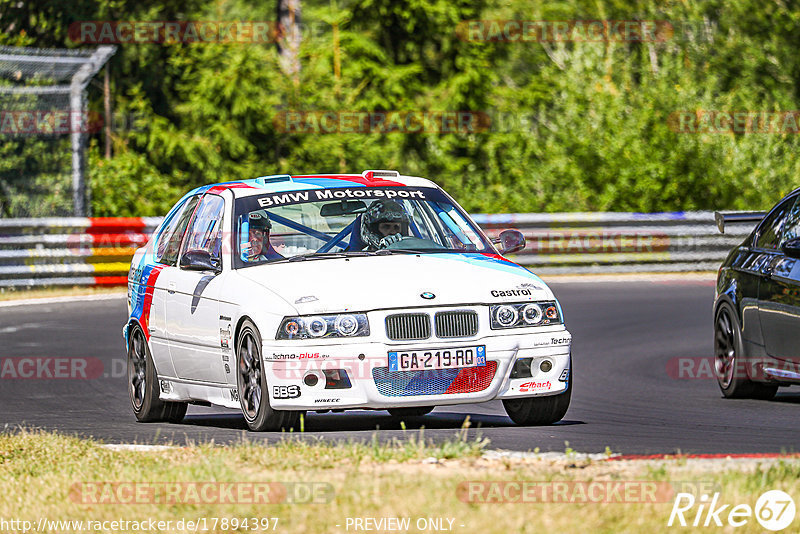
(297, 225)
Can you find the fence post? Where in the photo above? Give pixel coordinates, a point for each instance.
(79, 110)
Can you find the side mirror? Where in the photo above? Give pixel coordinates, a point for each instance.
(199, 260)
(510, 241)
(791, 248)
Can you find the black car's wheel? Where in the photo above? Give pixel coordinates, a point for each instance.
(729, 361)
(417, 411)
(252, 386)
(540, 410)
(143, 384)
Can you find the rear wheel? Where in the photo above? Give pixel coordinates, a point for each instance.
(540, 410)
(729, 359)
(417, 411)
(252, 385)
(143, 384)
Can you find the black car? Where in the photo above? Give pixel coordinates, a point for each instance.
(757, 305)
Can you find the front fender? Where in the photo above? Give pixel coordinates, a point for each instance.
(265, 308)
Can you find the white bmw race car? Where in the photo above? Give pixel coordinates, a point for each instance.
(284, 294)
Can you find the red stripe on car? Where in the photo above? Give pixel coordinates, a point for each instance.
(148, 299)
(473, 379)
(220, 188)
(356, 178)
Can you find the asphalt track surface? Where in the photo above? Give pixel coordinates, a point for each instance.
(625, 334)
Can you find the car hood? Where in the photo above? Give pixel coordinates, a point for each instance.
(398, 281)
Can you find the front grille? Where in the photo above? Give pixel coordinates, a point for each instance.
(459, 323)
(433, 381)
(408, 326)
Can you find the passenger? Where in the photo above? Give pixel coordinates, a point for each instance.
(385, 222)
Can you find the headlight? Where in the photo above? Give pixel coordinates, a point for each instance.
(324, 326)
(524, 314)
(346, 325)
(505, 316)
(316, 326)
(532, 314)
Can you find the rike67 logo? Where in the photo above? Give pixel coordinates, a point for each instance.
(774, 510)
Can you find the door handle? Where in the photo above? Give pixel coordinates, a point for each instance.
(769, 268)
(171, 288)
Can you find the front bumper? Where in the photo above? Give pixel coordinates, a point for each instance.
(373, 386)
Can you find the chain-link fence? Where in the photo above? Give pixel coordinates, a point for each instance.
(44, 123)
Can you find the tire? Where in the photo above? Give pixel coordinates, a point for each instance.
(143, 385)
(417, 411)
(251, 382)
(540, 410)
(729, 356)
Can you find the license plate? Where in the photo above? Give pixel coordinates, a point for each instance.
(420, 360)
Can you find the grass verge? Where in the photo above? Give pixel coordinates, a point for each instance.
(47, 475)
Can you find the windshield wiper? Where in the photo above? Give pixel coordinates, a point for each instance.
(320, 255)
(349, 254)
(389, 252)
(386, 252)
(307, 255)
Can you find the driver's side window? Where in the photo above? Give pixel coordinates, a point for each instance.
(791, 228)
(205, 229)
(769, 233)
(169, 241)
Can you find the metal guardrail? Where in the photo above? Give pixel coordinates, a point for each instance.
(97, 251)
(610, 242)
(70, 251)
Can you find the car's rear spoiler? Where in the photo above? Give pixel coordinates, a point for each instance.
(737, 217)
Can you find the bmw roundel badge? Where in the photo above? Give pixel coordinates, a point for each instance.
(428, 295)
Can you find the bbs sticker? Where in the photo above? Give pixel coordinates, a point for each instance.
(285, 392)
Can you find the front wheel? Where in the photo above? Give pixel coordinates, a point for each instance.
(143, 385)
(252, 386)
(540, 410)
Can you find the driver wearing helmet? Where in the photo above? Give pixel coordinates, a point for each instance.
(385, 222)
(260, 247)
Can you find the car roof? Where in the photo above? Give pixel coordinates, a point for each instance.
(284, 182)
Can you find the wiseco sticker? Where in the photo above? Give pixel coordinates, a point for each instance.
(51, 368)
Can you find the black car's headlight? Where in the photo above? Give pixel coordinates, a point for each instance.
(524, 314)
(324, 326)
